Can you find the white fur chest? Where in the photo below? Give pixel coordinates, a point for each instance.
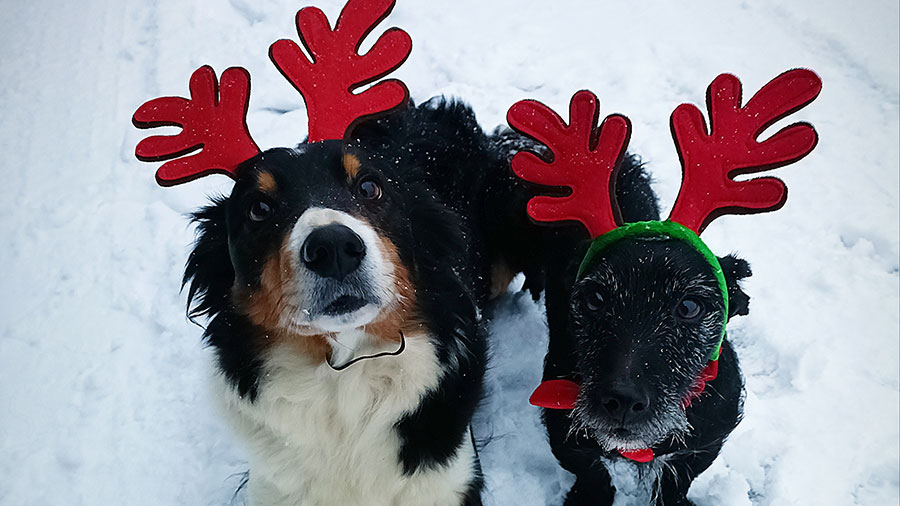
(322, 437)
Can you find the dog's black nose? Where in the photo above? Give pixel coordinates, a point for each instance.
(333, 251)
(625, 402)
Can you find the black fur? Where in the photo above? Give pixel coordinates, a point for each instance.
(629, 343)
(211, 277)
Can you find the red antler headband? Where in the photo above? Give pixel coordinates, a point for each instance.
(710, 159)
(585, 159)
(214, 119)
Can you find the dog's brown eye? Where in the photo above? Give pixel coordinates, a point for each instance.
(689, 308)
(260, 211)
(594, 300)
(369, 189)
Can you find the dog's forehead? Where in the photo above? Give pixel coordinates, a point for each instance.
(311, 174)
(301, 168)
(649, 260)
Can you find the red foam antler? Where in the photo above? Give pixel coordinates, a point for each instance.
(214, 119)
(584, 159)
(337, 68)
(710, 160)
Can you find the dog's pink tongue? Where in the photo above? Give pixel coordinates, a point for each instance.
(555, 394)
(645, 455)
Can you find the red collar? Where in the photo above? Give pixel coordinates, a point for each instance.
(562, 394)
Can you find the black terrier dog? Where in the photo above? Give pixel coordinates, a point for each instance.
(635, 330)
(638, 367)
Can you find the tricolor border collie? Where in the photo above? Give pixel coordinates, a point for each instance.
(343, 279)
(345, 311)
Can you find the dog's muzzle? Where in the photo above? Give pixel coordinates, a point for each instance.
(342, 280)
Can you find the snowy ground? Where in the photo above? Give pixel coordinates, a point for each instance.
(102, 393)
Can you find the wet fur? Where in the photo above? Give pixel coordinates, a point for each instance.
(550, 261)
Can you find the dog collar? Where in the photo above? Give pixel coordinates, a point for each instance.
(562, 394)
(355, 360)
(663, 230)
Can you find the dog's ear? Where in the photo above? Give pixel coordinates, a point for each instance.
(208, 270)
(735, 270)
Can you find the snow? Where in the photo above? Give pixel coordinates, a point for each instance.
(103, 394)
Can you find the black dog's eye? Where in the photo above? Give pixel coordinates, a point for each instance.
(260, 210)
(689, 308)
(593, 300)
(369, 189)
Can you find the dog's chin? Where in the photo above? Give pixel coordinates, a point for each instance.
(346, 313)
(613, 436)
(624, 440)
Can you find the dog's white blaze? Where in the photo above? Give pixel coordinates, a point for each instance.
(319, 437)
(379, 271)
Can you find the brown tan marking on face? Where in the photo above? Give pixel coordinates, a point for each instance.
(351, 166)
(265, 181)
(501, 276)
(403, 316)
(270, 307)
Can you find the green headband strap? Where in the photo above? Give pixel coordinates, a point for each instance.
(664, 230)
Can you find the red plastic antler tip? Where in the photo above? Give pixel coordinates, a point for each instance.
(327, 83)
(585, 158)
(711, 158)
(213, 120)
